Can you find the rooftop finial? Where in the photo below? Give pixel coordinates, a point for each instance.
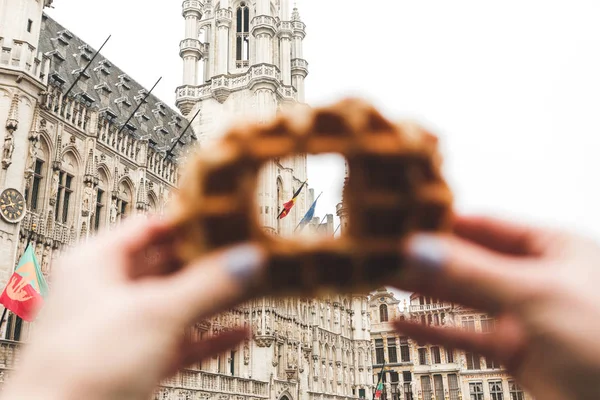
(295, 13)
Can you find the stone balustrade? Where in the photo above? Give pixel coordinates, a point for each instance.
(22, 56)
(190, 6)
(256, 73)
(69, 110)
(191, 46)
(429, 307)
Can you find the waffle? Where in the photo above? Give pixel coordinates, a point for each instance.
(395, 188)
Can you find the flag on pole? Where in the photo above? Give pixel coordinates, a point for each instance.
(309, 214)
(379, 390)
(287, 207)
(24, 295)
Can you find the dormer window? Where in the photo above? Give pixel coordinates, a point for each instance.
(56, 54)
(109, 114)
(242, 44)
(123, 100)
(161, 129)
(142, 116)
(79, 71)
(87, 97)
(106, 90)
(63, 40)
(141, 95)
(55, 77)
(66, 34)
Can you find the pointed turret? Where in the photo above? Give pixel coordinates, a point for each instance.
(142, 197)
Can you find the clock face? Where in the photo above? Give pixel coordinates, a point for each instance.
(12, 205)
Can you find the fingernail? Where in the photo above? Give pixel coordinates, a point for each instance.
(244, 263)
(427, 253)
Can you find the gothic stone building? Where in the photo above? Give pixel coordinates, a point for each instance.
(422, 371)
(83, 165)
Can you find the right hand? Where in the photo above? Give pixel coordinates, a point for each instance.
(541, 285)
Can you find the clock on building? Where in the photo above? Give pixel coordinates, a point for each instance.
(12, 205)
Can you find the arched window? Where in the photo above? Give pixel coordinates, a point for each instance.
(242, 43)
(152, 204)
(64, 185)
(39, 165)
(100, 207)
(383, 313)
(124, 200)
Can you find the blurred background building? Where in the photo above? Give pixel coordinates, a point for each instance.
(87, 146)
(427, 371)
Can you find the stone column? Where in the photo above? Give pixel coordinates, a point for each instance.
(190, 49)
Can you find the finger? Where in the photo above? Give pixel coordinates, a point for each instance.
(213, 283)
(147, 232)
(503, 236)
(453, 269)
(194, 352)
(157, 260)
(505, 344)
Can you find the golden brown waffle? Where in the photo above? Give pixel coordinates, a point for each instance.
(395, 188)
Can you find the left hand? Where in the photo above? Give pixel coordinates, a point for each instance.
(114, 324)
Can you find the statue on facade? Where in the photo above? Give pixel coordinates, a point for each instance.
(9, 147)
(88, 198)
(55, 182)
(32, 157)
(336, 316)
(267, 322)
(257, 324)
(46, 259)
(113, 211)
(246, 353)
(364, 321)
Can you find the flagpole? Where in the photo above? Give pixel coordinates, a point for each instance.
(303, 218)
(380, 378)
(2, 318)
(337, 229)
(321, 223)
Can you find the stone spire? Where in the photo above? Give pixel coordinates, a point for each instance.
(57, 163)
(142, 196)
(115, 191)
(12, 123)
(90, 169)
(34, 133)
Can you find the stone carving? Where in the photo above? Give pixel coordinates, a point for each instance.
(267, 323)
(32, 156)
(364, 321)
(88, 198)
(46, 259)
(336, 316)
(8, 149)
(54, 187)
(246, 353)
(113, 211)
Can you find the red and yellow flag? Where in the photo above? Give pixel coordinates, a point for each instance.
(26, 289)
(287, 207)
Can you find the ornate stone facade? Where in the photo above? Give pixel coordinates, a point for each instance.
(89, 148)
(422, 371)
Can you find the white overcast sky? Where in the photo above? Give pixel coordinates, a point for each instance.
(512, 87)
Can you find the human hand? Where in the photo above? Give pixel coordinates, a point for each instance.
(114, 323)
(541, 285)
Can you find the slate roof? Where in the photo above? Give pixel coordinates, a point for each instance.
(107, 88)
